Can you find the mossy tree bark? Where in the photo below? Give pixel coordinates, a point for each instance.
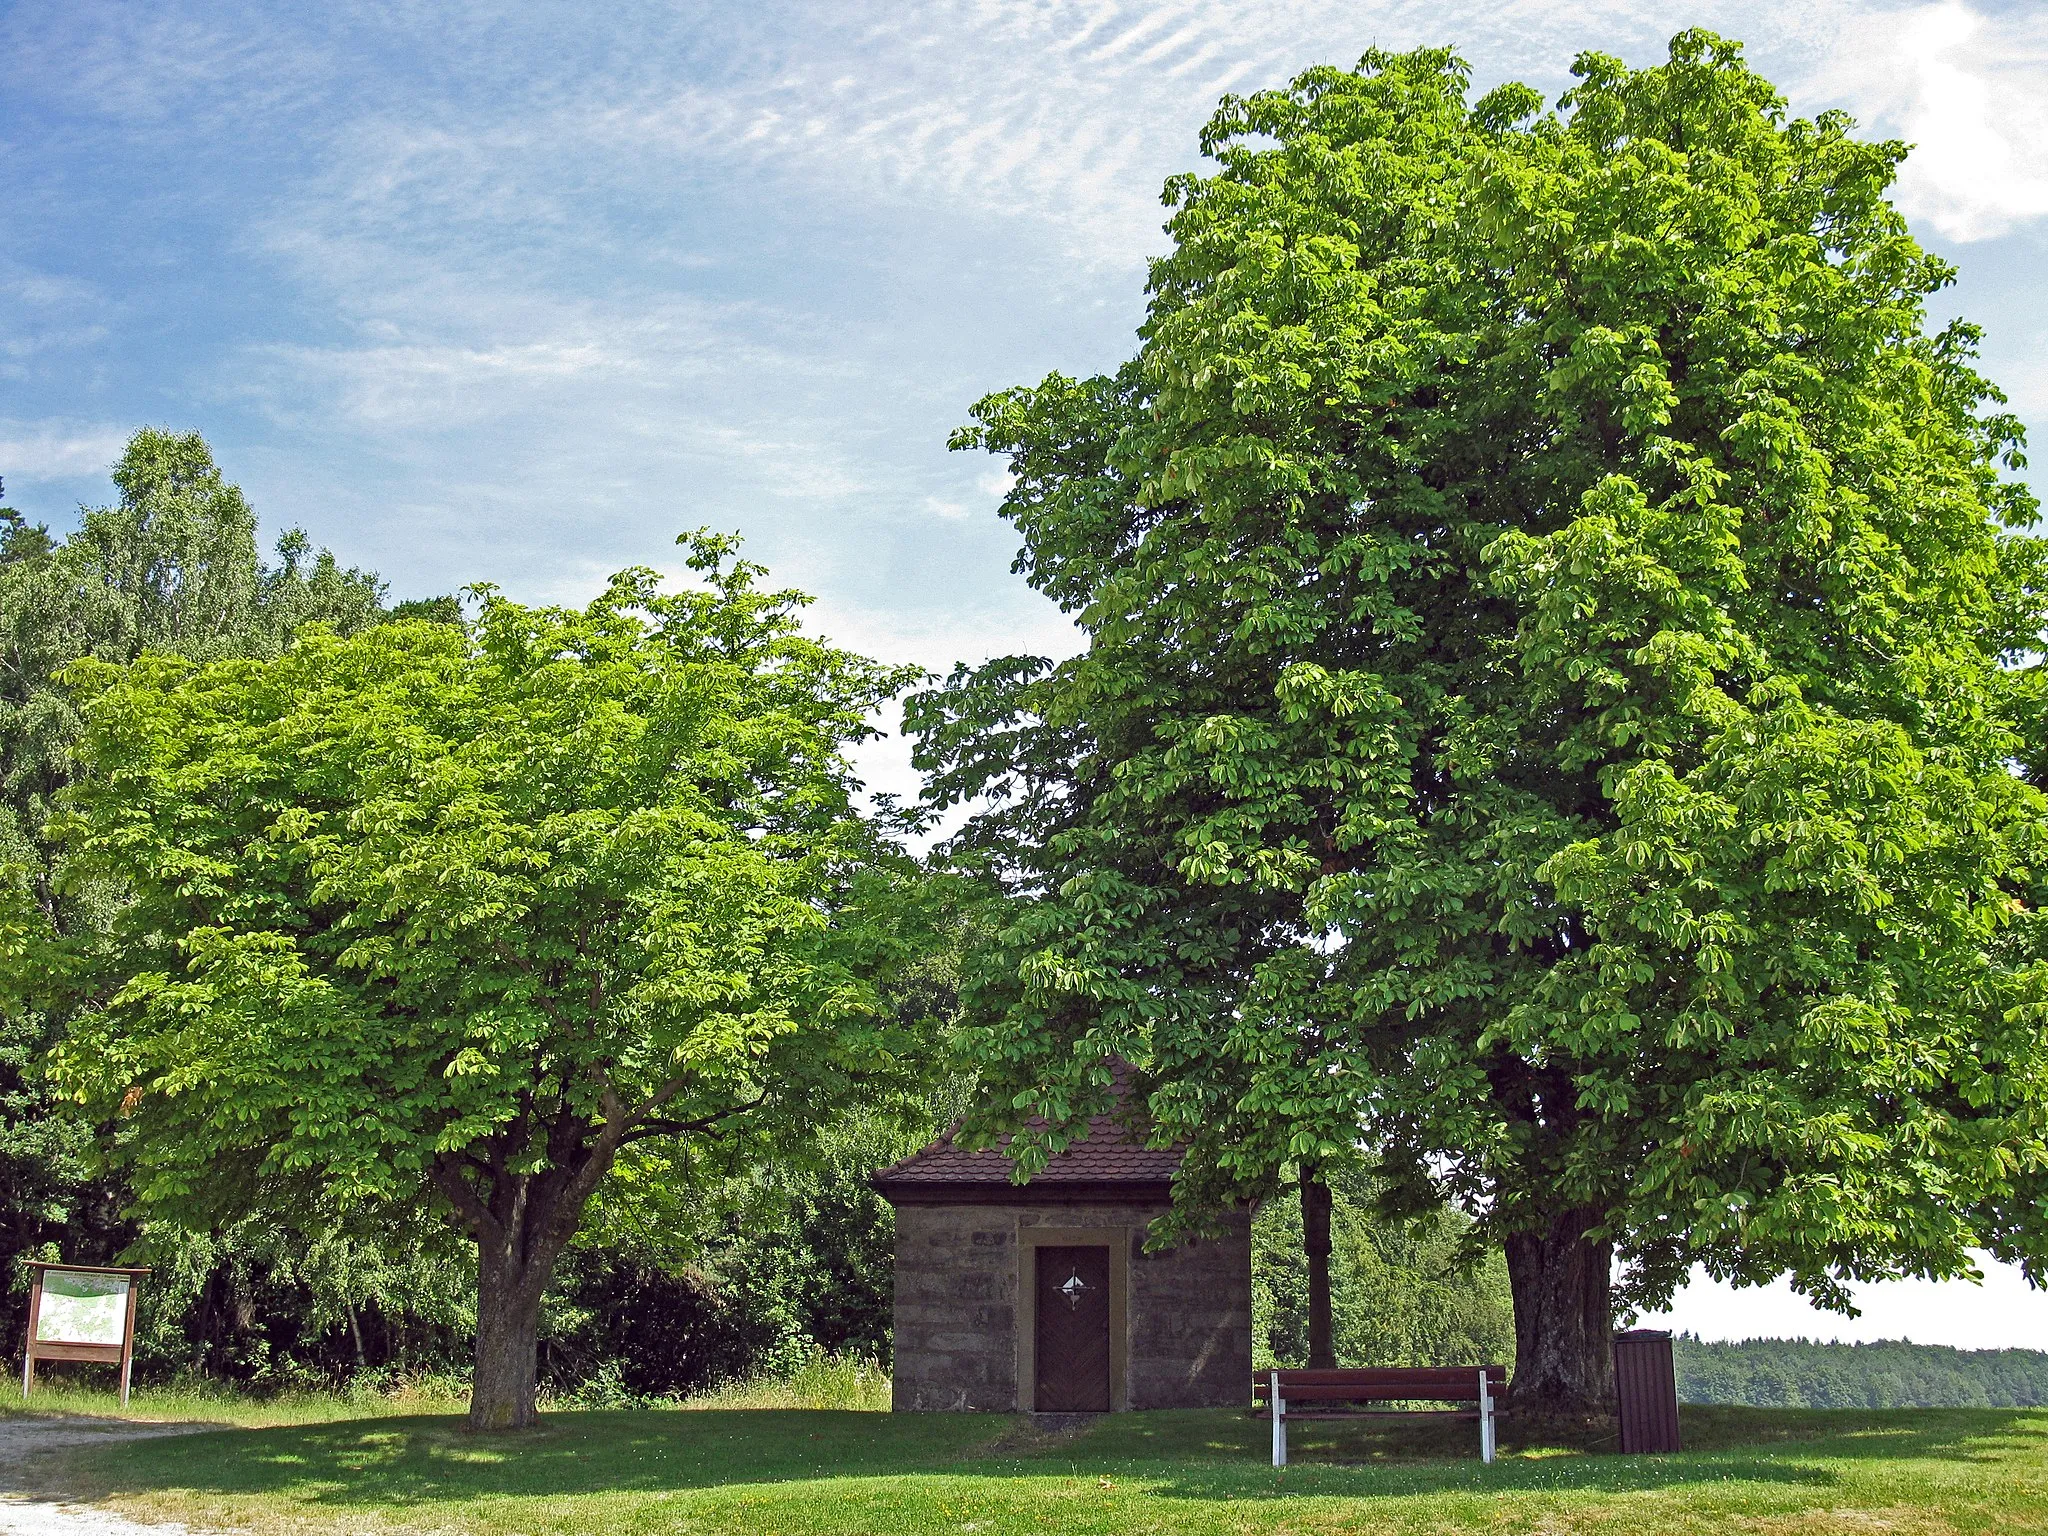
(1564, 1319)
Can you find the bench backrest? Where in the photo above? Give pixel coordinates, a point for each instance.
(1384, 1384)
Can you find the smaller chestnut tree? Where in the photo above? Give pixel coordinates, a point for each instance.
(476, 917)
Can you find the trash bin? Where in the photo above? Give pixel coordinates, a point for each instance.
(1646, 1383)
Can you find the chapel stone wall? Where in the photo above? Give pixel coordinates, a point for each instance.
(1186, 1318)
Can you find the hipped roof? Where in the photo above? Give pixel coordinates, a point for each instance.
(1107, 1163)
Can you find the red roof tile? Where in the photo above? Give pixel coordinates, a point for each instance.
(1107, 1154)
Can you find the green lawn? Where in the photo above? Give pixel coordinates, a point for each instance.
(732, 1471)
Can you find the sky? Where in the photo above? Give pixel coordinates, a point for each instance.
(517, 292)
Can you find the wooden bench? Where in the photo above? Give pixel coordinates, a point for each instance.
(1351, 1394)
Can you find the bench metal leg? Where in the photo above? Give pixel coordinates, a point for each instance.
(1279, 1405)
(1485, 1419)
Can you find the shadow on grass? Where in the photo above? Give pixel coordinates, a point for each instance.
(1208, 1455)
(1899, 1433)
(411, 1461)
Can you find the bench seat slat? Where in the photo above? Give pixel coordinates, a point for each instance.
(1381, 1394)
(1424, 1384)
(1389, 1389)
(1375, 1415)
(1373, 1377)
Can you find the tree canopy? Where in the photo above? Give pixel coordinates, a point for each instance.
(474, 917)
(172, 566)
(1554, 616)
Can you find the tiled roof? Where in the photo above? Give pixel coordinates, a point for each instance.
(1108, 1154)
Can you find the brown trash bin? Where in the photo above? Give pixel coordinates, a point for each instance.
(1646, 1383)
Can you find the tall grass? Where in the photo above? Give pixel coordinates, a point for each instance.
(844, 1382)
(820, 1380)
(202, 1401)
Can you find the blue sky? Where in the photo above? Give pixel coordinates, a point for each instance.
(516, 292)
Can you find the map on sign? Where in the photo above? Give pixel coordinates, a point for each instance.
(82, 1309)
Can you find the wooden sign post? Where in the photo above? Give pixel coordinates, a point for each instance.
(80, 1312)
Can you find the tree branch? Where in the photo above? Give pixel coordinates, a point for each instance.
(659, 1127)
(446, 1172)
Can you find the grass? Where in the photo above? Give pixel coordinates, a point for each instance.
(205, 1403)
(740, 1471)
(823, 1381)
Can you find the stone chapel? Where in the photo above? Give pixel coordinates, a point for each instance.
(1041, 1297)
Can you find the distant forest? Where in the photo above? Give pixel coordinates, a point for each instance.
(1794, 1373)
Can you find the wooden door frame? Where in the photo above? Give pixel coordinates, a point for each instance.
(1118, 1241)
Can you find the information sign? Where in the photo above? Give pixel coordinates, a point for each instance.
(80, 1312)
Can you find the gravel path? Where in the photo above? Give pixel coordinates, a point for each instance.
(24, 1513)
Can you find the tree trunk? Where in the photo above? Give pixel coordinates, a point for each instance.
(508, 1295)
(521, 1222)
(1564, 1319)
(1315, 1242)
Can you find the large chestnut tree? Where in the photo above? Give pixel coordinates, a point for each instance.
(1556, 619)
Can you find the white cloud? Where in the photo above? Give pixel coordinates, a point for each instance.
(1063, 113)
(2025, 380)
(46, 290)
(49, 341)
(797, 467)
(58, 450)
(432, 386)
(149, 64)
(1970, 91)
(43, 312)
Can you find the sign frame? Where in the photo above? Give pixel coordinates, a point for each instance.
(34, 1349)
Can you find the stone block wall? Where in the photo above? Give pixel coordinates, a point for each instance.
(956, 1309)
(1186, 1316)
(1191, 1322)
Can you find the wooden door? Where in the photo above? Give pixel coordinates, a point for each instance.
(1072, 1352)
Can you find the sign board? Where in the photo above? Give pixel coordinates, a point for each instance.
(83, 1308)
(80, 1312)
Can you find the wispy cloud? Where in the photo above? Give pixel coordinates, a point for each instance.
(145, 66)
(1066, 112)
(670, 267)
(43, 312)
(425, 387)
(1969, 88)
(57, 450)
